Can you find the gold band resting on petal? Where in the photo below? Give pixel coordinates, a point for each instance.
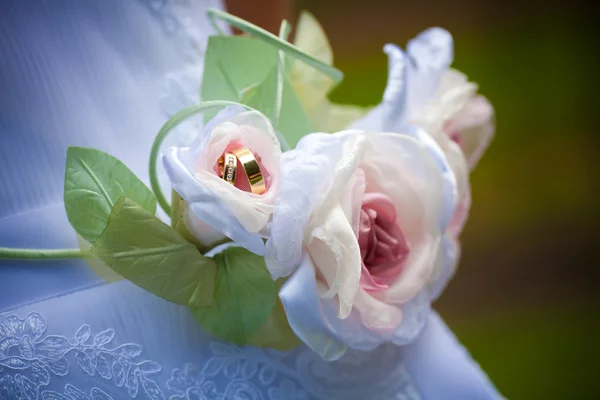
(250, 165)
(228, 167)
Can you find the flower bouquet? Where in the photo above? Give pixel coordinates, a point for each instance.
(293, 219)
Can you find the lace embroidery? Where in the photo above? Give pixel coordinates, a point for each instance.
(302, 373)
(245, 374)
(29, 360)
(72, 393)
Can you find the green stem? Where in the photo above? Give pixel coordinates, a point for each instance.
(273, 40)
(284, 32)
(39, 254)
(171, 124)
(216, 27)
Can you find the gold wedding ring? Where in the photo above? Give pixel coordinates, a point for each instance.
(228, 166)
(250, 165)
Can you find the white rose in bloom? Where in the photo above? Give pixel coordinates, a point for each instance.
(358, 225)
(218, 209)
(424, 95)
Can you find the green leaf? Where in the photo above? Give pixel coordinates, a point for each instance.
(94, 181)
(244, 297)
(294, 125)
(276, 332)
(244, 69)
(99, 266)
(149, 253)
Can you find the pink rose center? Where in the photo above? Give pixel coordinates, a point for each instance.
(454, 133)
(383, 246)
(241, 179)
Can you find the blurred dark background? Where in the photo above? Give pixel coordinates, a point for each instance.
(525, 298)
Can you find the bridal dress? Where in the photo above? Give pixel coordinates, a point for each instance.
(107, 74)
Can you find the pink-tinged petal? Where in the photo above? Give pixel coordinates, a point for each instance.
(452, 96)
(382, 204)
(473, 128)
(420, 266)
(368, 283)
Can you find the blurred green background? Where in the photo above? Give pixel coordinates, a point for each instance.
(524, 300)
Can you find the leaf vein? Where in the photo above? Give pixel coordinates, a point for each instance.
(150, 252)
(92, 175)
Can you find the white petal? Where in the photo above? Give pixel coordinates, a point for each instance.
(306, 173)
(475, 123)
(377, 315)
(404, 169)
(334, 249)
(430, 53)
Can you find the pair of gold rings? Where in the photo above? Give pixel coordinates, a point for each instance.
(228, 169)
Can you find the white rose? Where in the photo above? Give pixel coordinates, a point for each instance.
(358, 225)
(217, 209)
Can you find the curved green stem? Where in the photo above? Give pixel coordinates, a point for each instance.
(171, 124)
(273, 40)
(39, 254)
(284, 32)
(216, 27)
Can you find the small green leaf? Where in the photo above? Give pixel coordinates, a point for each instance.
(99, 266)
(276, 332)
(294, 125)
(149, 253)
(94, 181)
(244, 70)
(244, 297)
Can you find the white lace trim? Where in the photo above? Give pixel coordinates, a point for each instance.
(30, 360)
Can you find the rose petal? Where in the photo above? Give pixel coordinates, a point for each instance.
(375, 314)
(336, 256)
(431, 53)
(305, 312)
(474, 125)
(419, 267)
(404, 169)
(452, 96)
(204, 233)
(307, 173)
